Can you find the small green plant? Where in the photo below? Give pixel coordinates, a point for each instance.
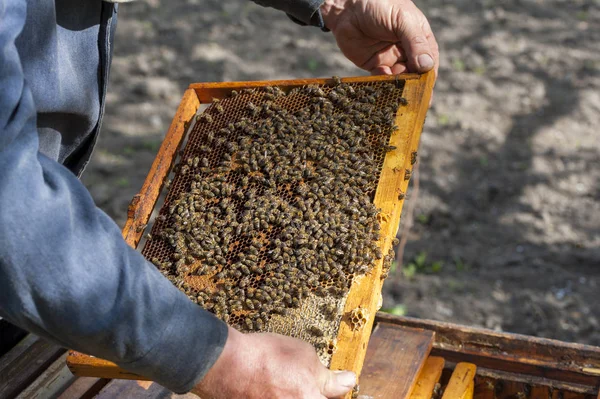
(397, 310)
(312, 65)
(128, 150)
(479, 70)
(458, 65)
(151, 145)
(419, 264)
(123, 182)
(460, 265)
(582, 15)
(423, 218)
(443, 120)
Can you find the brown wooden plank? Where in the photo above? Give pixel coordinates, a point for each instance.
(546, 358)
(485, 388)
(534, 380)
(84, 388)
(207, 91)
(17, 374)
(139, 389)
(16, 352)
(540, 392)
(508, 389)
(395, 358)
(53, 381)
(428, 378)
(461, 384)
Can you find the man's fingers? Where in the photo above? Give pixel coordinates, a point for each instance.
(398, 68)
(381, 70)
(385, 55)
(337, 383)
(415, 43)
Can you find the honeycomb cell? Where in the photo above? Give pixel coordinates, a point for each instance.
(358, 318)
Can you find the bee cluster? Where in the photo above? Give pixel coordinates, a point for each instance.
(273, 202)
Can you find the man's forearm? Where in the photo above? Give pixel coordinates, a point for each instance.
(66, 273)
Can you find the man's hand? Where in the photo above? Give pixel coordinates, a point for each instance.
(254, 366)
(382, 36)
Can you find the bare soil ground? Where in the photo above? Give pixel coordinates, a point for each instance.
(508, 212)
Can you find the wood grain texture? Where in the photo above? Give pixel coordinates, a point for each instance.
(395, 357)
(461, 384)
(139, 390)
(485, 387)
(428, 378)
(366, 291)
(84, 388)
(566, 364)
(20, 371)
(536, 380)
(53, 381)
(540, 392)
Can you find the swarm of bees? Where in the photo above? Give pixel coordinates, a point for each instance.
(276, 203)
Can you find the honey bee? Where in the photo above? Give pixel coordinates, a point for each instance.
(206, 118)
(413, 158)
(249, 324)
(316, 331)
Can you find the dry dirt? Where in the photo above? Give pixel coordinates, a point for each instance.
(508, 210)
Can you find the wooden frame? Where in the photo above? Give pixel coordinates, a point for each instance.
(365, 293)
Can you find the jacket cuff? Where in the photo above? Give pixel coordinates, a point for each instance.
(306, 12)
(315, 20)
(190, 345)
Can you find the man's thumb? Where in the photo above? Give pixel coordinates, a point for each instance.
(416, 45)
(337, 383)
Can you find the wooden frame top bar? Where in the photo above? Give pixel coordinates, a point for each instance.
(206, 92)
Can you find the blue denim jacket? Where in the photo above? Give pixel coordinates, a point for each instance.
(65, 272)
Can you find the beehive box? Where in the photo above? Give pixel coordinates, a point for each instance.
(283, 205)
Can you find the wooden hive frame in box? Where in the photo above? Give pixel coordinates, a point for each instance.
(365, 293)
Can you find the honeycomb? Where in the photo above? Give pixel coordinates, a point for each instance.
(269, 217)
(358, 318)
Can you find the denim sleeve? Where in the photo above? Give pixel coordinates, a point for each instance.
(65, 272)
(305, 12)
